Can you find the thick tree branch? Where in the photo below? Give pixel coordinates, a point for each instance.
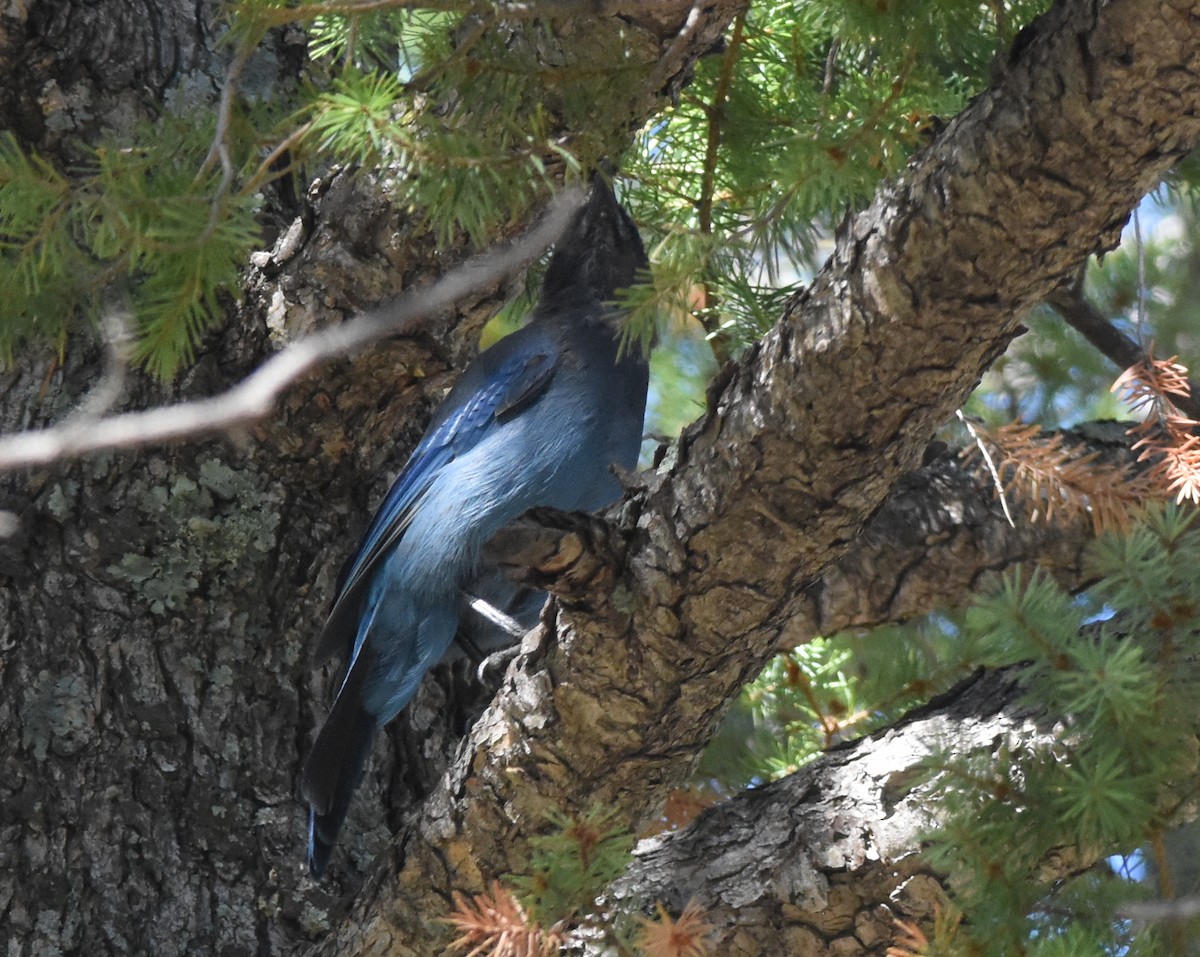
(823, 861)
(804, 439)
(940, 536)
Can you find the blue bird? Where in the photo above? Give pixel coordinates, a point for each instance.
(539, 419)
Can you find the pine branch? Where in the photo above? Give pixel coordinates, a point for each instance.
(716, 114)
(854, 825)
(1051, 476)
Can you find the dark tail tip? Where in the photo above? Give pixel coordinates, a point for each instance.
(320, 848)
(332, 774)
(600, 251)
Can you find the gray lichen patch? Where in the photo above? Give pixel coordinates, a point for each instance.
(58, 715)
(204, 535)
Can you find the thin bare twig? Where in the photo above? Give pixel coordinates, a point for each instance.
(1141, 263)
(489, 612)
(220, 146)
(1181, 908)
(254, 397)
(1070, 303)
(987, 457)
(831, 66)
(118, 347)
(466, 42)
(716, 116)
(265, 173)
(668, 62)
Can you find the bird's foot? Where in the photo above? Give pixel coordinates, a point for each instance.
(492, 668)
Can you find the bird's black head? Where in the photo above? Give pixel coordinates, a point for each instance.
(600, 251)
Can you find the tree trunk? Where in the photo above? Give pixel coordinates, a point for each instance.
(159, 608)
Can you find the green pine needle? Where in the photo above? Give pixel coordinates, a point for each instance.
(573, 865)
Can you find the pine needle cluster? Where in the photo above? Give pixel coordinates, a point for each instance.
(684, 936)
(146, 222)
(1167, 438)
(464, 118)
(559, 901)
(830, 690)
(496, 925)
(465, 111)
(801, 116)
(1049, 476)
(466, 115)
(912, 941)
(1116, 675)
(573, 864)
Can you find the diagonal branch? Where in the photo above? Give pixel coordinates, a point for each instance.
(942, 534)
(1088, 321)
(824, 860)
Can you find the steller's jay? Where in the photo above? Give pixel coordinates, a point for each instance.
(539, 419)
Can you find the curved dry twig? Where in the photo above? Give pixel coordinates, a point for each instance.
(254, 397)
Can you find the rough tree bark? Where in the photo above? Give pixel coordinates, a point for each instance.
(826, 860)
(158, 608)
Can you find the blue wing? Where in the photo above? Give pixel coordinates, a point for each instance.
(493, 396)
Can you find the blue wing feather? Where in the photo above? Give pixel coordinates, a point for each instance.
(518, 381)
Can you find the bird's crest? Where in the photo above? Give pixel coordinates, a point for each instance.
(600, 251)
